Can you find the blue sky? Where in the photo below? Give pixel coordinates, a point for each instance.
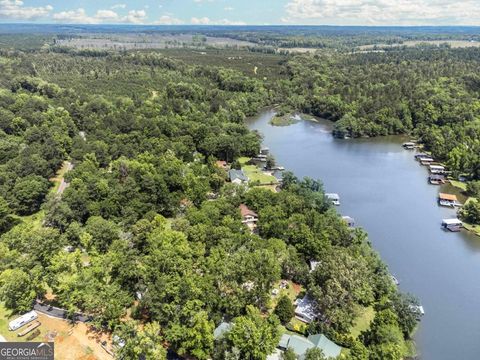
(239, 12)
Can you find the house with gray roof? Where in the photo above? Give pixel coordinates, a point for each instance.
(237, 176)
(300, 345)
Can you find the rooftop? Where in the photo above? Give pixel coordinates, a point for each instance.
(234, 174)
(449, 197)
(245, 211)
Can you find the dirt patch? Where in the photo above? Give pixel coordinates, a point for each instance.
(77, 341)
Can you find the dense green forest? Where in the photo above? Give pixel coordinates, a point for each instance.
(148, 239)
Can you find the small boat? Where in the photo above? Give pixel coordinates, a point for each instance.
(409, 145)
(395, 280)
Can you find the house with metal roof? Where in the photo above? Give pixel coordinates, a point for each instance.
(300, 345)
(305, 309)
(237, 176)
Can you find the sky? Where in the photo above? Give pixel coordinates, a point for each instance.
(243, 12)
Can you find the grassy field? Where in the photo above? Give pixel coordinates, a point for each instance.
(268, 66)
(254, 174)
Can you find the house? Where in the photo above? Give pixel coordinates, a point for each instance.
(334, 198)
(221, 329)
(349, 221)
(300, 345)
(453, 225)
(248, 216)
(237, 176)
(305, 309)
(448, 200)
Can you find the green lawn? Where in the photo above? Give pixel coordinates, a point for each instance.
(363, 321)
(291, 292)
(5, 318)
(254, 174)
(459, 184)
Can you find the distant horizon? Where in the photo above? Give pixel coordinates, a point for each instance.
(231, 25)
(407, 13)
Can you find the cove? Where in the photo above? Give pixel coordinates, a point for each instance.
(386, 191)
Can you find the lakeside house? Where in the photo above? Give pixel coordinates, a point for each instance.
(300, 345)
(349, 221)
(453, 225)
(249, 217)
(305, 309)
(334, 198)
(237, 177)
(448, 200)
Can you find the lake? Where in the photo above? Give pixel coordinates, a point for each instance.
(386, 191)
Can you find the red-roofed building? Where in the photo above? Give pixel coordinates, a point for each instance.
(249, 217)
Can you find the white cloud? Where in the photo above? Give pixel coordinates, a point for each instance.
(383, 12)
(79, 16)
(135, 17)
(208, 21)
(119, 6)
(228, 8)
(15, 10)
(168, 20)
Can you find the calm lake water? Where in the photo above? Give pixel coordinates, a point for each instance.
(386, 191)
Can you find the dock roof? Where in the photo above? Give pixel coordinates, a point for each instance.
(449, 197)
(451, 222)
